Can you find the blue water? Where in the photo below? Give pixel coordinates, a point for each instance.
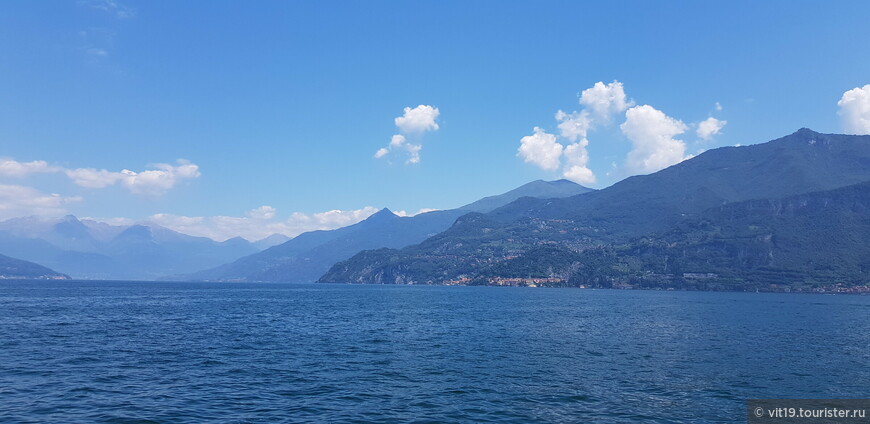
(182, 352)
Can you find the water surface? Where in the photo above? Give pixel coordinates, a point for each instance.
(192, 352)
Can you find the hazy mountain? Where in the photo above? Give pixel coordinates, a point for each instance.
(272, 240)
(538, 189)
(641, 206)
(91, 249)
(19, 269)
(308, 256)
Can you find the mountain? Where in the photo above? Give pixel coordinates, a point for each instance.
(306, 257)
(479, 247)
(95, 250)
(538, 189)
(272, 240)
(802, 241)
(11, 268)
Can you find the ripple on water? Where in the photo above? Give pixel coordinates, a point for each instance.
(139, 352)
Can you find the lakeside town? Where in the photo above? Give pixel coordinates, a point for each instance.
(553, 282)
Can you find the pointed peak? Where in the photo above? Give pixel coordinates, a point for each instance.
(381, 215)
(70, 218)
(805, 132)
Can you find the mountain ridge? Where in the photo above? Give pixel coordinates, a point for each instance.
(12, 268)
(93, 250)
(800, 163)
(309, 255)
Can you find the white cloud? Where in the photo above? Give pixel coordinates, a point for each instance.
(419, 119)
(152, 182)
(260, 223)
(263, 212)
(855, 110)
(710, 127)
(16, 200)
(397, 141)
(157, 181)
(576, 160)
(541, 149)
(414, 122)
(405, 213)
(93, 178)
(605, 100)
(13, 168)
(601, 102)
(413, 152)
(574, 125)
(652, 133)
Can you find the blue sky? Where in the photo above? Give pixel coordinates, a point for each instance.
(285, 104)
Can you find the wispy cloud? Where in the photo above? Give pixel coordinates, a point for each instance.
(157, 180)
(95, 51)
(405, 213)
(97, 42)
(15, 169)
(111, 7)
(151, 182)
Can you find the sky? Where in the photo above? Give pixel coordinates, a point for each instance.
(250, 118)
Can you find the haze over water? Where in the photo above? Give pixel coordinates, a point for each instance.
(171, 352)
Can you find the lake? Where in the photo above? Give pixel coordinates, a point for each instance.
(191, 352)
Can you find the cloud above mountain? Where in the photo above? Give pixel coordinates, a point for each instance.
(260, 223)
(855, 110)
(20, 200)
(413, 123)
(541, 149)
(650, 131)
(605, 100)
(17, 200)
(157, 180)
(601, 102)
(151, 182)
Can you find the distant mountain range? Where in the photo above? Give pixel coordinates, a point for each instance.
(95, 250)
(308, 256)
(11, 268)
(793, 211)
